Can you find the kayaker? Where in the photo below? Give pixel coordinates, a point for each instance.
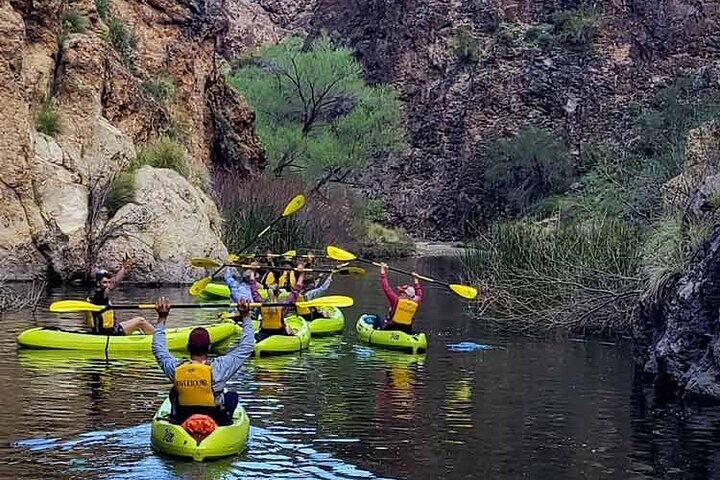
(311, 314)
(241, 289)
(403, 304)
(198, 383)
(105, 322)
(272, 318)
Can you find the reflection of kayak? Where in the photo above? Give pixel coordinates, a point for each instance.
(172, 439)
(276, 344)
(77, 359)
(394, 340)
(335, 323)
(52, 338)
(223, 291)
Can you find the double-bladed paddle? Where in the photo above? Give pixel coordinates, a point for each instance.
(341, 255)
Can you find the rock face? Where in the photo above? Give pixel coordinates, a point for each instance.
(679, 339)
(455, 106)
(106, 101)
(154, 229)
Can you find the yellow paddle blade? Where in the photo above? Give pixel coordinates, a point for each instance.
(339, 254)
(339, 301)
(464, 291)
(202, 262)
(66, 306)
(290, 253)
(199, 285)
(232, 258)
(295, 204)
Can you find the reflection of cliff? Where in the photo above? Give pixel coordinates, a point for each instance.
(671, 440)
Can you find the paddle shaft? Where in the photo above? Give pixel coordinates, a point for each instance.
(151, 306)
(400, 270)
(269, 267)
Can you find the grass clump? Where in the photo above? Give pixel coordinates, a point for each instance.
(120, 192)
(163, 153)
(102, 7)
(47, 119)
(576, 29)
(123, 39)
(161, 89)
(74, 22)
(465, 44)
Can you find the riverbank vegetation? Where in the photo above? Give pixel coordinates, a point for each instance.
(320, 123)
(578, 240)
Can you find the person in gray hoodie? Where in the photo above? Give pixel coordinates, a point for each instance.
(199, 383)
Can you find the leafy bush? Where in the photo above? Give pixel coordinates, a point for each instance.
(576, 29)
(122, 39)
(465, 45)
(161, 89)
(47, 119)
(102, 7)
(74, 22)
(527, 167)
(163, 153)
(120, 193)
(315, 114)
(375, 210)
(539, 35)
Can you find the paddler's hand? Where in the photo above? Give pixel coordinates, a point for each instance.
(244, 309)
(416, 278)
(300, 267)
(383, 268)
(162, 307)
(126, 262)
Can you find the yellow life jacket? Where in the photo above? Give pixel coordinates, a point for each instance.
(268, 279)
(287, 280)
(108, 318)
(404, 311)
(302, 310)
(271, 317)
(193, 383)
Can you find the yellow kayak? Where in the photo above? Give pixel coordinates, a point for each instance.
(277, 344)
(172, 439)
(53, 338)
(391, 339)
(333, 323)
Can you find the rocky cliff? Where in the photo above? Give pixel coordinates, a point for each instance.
(102, 78)
(456, 102)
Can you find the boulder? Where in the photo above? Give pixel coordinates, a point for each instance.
(169, 222)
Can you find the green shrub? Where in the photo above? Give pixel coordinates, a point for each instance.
(74, 22)
(539, 35)
(465, 45)
(315, 114)
(384, 242)
(576, 29)
(47, 119)
(527, 167)
(122, 39)
(120, 193)
(163, 153)
(375, 210)
(161, 89)
(102, 8)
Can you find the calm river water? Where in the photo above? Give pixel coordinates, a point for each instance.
(525, 408)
